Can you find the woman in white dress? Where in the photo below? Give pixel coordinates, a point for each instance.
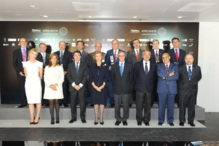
(53, 77)
(33, 70)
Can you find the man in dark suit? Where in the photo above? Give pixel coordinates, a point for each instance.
(111, 58)
(189, 76)
(65, 57)
(177, 55)
(122, 79)
(156, 57)
(156, 53)
(21, 55)
(77, 76)
(144, 76)
(167, 88)
(84, 55)
(133, 56)
(44, 58)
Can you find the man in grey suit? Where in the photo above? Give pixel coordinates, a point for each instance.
(189, 76)
(84, 55)
(77, 76)
(122, 79)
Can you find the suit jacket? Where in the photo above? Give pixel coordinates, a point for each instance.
(122, 84)
(40, 58)
(98, 75)
(84, 57)
(181, 60)
(107, 57)
(153, 58)
(187, 86)
(168, 85)
(17, 60)
(142, 81)
(67, 58)
(131, 57)
(73, 77)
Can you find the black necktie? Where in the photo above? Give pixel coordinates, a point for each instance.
(189, 72)
(146, 69)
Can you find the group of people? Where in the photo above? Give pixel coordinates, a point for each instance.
(118, 75)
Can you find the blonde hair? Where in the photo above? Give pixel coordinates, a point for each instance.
(97, 52)
(33, 50)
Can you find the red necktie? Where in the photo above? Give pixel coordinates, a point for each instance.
(177, 55)
(167, 67)
(156, 54)
(137, 54)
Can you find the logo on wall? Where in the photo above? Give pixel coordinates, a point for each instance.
(162, 31)
(63, 31)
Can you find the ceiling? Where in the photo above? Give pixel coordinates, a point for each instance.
(110, 10)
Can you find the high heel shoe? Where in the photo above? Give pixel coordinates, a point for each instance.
(37, 121)
(101, 123)
(95, 122)
(31, 123)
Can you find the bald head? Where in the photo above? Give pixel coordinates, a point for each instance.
(189, 59)
(98, 46)
(166, 58)
(62, 45)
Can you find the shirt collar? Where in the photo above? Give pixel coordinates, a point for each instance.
(146, 62)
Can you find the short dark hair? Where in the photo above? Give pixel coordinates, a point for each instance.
(175, 38)
(80, 42)
(132, 42)
(77, 52)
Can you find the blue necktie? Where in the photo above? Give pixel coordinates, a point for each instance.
(77, 67)
(121, 69)
(189, 72)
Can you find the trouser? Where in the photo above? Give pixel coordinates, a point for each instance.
(143, 101)
(125, 100)
(80, 95)
(187, 101)
(166, 99)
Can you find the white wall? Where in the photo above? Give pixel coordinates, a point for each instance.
(208, 59)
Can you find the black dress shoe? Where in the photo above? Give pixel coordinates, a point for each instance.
(146, 123)
(95, 123)
(57, 122)
(112, 105)
(171, 124)
(181, 124)
(125, 123)
(117, 123)
(22, 105)
(72, 120)
(139, 123)
(160, 124)
(52, 122)
(101, 123)
(65, 105)
(192, 124)
(83, 121)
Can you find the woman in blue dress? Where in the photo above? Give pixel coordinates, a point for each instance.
(98, 78)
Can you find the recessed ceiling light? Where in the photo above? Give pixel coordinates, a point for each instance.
(89, 16)
(32, 6)
(180, 17)
(135, 17)
(45, 16)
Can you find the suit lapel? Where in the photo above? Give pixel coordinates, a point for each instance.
(185, 72)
